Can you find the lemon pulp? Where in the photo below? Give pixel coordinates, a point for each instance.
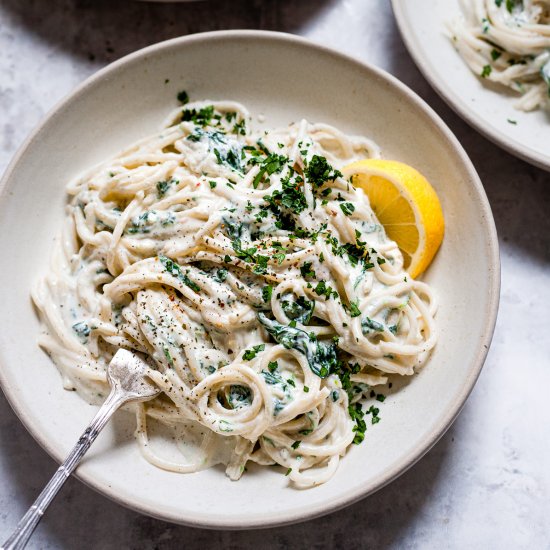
(406, 205)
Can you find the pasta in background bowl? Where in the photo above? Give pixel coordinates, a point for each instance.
(98, 121)
(508, 43)
(489, 67)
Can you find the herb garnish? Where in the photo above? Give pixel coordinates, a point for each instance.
(319, 171)
(306, 270)
(320, 355)
(486, 71)
(202, 117)
(356, 413)
(354, 309)
(267, 291)
(322, 289)
(511, 4)
(347, 208)
(290, 197)
(175, 270)
(299, 310)
(272, 164)
(163, 186)
(240, 128)
(183, 97)
(251, 353)
(368, 324)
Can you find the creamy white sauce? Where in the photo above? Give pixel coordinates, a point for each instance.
(256, 277)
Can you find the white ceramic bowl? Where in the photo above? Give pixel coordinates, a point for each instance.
(284, 78)
(485, 106)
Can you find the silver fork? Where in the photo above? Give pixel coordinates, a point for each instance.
(127, 377)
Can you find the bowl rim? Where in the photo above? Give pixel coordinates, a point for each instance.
(456, 102)
(423, 446)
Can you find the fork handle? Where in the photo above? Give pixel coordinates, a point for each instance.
(19, 538)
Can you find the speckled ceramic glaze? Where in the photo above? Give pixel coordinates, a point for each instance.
(283, 78)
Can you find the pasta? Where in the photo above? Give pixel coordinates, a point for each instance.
(508, 42)
(253, 274)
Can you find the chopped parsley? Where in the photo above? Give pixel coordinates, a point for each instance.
(272, 164)
(511, 4)
(290, 197)
(486, 71)
(251, 353)
(319, 171)
(240, 128)
(356, 252)
(307, 271)
(201, 117)
(175, 270)
(267, 292)
(272, 366)
(246, 254)
(183, 97)
(374, 411)
(322, 289)
(261, 264)
(354, 309)
(357, 414)
(347, 208)
(280, 253)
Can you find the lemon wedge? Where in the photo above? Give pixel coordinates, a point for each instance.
(405, 204)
